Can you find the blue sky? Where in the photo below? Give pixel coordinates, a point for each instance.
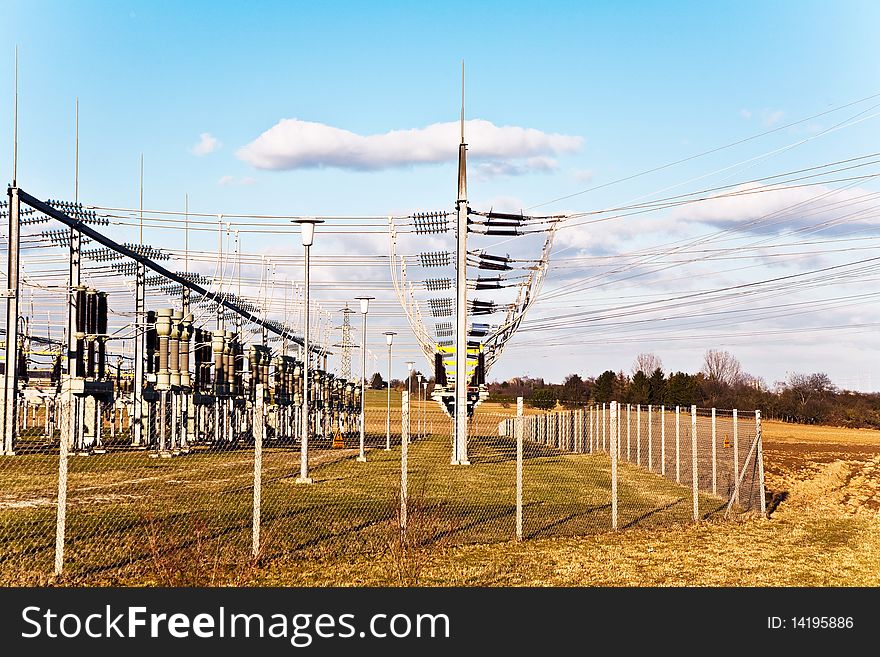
(640, 84)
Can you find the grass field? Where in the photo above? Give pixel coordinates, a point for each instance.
(133, 520)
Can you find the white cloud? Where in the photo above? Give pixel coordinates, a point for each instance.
(296, 144)
(207, 144)
(840, 211)
(497, 169)
(771, 117)
(584, 176)
(746, 114)
(232, 181)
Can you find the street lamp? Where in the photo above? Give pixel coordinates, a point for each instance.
(389, 338)
(365, 308)
(307, 227)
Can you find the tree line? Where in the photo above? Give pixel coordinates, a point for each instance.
(809, 398)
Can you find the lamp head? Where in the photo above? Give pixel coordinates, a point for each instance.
(365, 303)
(389, 337)
(307, 226)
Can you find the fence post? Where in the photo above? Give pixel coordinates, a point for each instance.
(628, 430)
(519, 468)
(591, 429)
(760, 457)
(404, 456)
(638, 434)
(61, 514)
(650, 438)
(618, 431)
(663, 440)
(604, 437)
(714, 457)
(259, 427)
(695, 482)
(614, 439)
(735, 457)
(677, 444)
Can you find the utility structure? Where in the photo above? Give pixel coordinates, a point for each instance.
(461, 350)
(459, 451)
(345, 345)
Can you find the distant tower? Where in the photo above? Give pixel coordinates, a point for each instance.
(345, 373)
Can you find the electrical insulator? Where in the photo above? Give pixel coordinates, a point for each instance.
(174, 348)
(439, 370)
(218, 339)
(185, 334)
(151, 341)
(163, 332)
(101, 330)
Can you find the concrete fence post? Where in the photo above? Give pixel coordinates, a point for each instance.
(650, 438)
(628, 431)
(61, 512)
(613, 454)
(678, 444)
(591, 429)
(638, 434)
(519, 468)
(695, 482)
(714, 456)
(259, 428)
(663, 440)
(735, 456)
(759, 436)
(604, 436)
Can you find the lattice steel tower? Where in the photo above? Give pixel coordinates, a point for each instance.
(346, 345)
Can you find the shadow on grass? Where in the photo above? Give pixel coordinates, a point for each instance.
(561, 521)
(653, 512)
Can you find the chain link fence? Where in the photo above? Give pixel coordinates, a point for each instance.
(216, 485)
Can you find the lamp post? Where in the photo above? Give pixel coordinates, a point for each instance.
(424, 410)
(365, 308)
(409, 368)
(307, 227)
(389, 338)
(419, 395)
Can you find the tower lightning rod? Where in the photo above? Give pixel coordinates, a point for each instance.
(15, 127)
(459, 451)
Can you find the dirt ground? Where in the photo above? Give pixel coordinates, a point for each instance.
(828, 468)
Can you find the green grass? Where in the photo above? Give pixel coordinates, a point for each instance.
(138, 520)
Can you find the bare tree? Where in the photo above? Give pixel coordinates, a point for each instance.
(722, 366)
(647, 363)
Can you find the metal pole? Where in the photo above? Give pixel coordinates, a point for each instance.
(304, 441)
(10, 373)
(361, 456)
(759, 436)
(259, 428)
(404, 457)
(388, 410)
(459, 452)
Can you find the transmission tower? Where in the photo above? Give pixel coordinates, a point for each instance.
(346, 345)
